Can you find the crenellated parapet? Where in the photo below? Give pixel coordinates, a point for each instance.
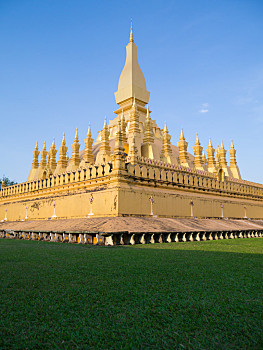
(197, 180)
(145, 169)
(62, 179)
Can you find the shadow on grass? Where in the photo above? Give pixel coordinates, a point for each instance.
(167, 296)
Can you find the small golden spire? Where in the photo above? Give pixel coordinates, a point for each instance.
(123, 128)
(3, 182)
(166, 151)
(222, 156)
(147, 114)
(133, 150)
(182, 145)
(75, 159)
(210, 156)
(197, 142)
(204, 157)
(105, 123)
(76, 136)
(63, 140)
(148, 130)
(131, 34)
(217, 160)
(104, 151)
(198, 160)
(121, 119)
(62, 162)
(233, 163)
(36, 147)
(118, 140)
(52, 157)
(89, 131)
(182, 135)
(43, 161)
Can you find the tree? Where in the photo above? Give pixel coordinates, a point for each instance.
(7, 182)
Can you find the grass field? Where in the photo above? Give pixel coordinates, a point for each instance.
(196, 295)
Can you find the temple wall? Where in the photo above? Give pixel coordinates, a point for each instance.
(128, 193)
(70, 191)
(173, 188)
(173, 203)
(72, 205)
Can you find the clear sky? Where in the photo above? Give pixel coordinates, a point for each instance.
(60, 61)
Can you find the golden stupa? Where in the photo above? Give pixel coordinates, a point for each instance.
(131, 168)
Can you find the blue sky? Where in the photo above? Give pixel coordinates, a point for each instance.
(60, 62)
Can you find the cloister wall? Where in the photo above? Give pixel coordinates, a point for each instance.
(127, 192)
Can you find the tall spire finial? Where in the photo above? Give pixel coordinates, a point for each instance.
(131, 34)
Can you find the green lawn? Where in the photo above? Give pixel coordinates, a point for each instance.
(195, 295)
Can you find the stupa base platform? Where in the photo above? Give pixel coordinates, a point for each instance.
(131, 230)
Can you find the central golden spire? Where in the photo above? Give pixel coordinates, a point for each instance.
(132, 82)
